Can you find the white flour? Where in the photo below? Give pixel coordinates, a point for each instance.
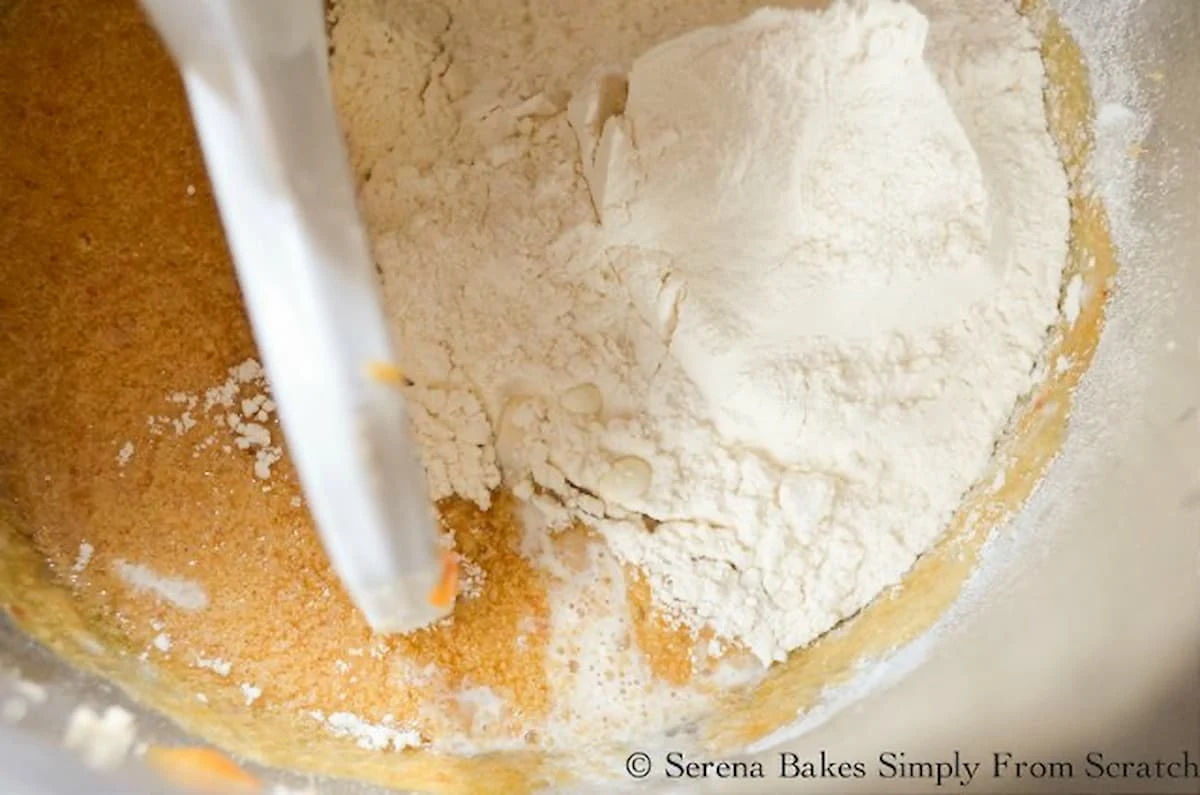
(818, 288)
(239, 404)
(175, 591)
(370, 736)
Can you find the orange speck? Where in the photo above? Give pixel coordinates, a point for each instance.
(444, 592)
(201, 769)
(385, 373)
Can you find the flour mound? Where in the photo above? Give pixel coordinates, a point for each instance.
(794, 176)
(755, 305)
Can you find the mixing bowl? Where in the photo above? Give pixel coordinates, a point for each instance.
(1077, 631)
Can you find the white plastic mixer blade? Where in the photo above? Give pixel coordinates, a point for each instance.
(257, 80)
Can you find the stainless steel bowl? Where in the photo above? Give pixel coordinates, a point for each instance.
(1081, 631)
